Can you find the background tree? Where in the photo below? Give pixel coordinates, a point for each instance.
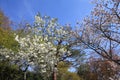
(104, 69)
(84, 72)
(100, 31)
(7, 40)
(64, 74)
(99, 69)
(6, 34)
(4, 21)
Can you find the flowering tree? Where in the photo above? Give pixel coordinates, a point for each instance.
(100, 32)
(46, 45)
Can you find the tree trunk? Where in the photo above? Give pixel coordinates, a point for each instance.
(25, 75)
(55, 73)
(25, 72)
(54, 76)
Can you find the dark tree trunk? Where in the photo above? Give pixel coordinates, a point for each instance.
(25, 75)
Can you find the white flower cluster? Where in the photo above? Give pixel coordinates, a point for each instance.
(6, 54)
(50, 29)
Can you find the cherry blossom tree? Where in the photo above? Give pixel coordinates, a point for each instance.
(100, 32)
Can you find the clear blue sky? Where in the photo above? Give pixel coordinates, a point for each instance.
(67, 11)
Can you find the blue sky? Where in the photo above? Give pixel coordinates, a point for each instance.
(67, 11)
